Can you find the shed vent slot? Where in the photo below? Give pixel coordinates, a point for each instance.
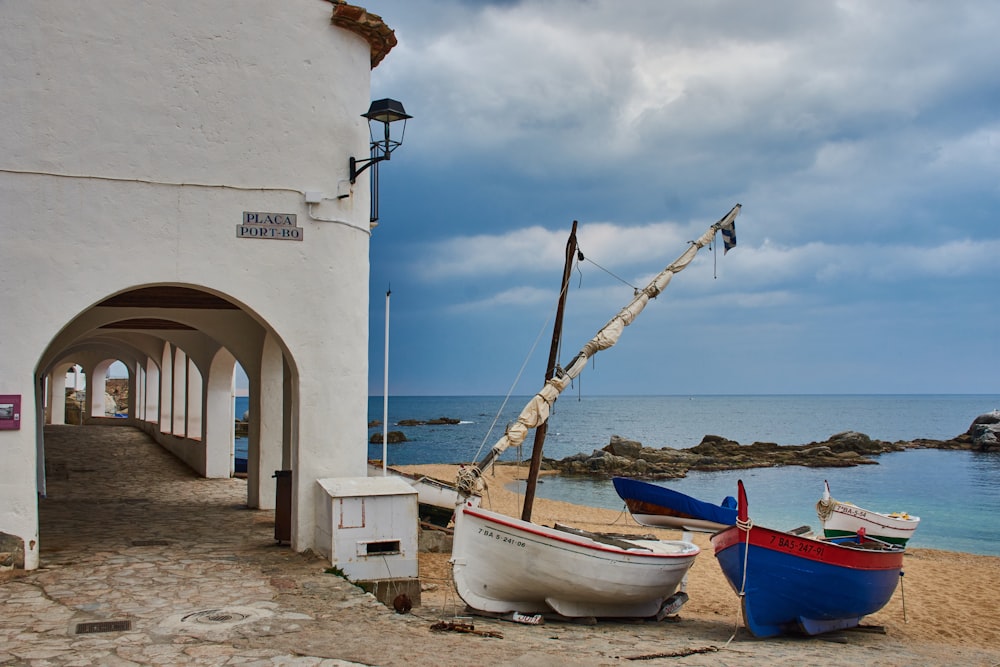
(378, 548)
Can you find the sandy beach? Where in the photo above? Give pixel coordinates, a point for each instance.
(950, 599)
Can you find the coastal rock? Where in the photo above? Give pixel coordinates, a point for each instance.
(622, 447)
(630, 458)
(985, 432)
(392, 438)
(429, 422)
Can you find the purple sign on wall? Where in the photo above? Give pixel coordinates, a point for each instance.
(10, 412)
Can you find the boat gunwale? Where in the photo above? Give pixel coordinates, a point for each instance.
(567, 538)
(891, 522)
(887, 557)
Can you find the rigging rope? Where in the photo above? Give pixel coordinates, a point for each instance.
(616, 277)
(715, 259)
(513, 386)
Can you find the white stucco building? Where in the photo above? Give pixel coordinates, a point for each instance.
(137, 139)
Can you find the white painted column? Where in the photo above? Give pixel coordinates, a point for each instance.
(166, 389)
(57, 397)
(137, 402)
(219, 416)
(270, 418)
(195, 399)
(97, 385)
(179, 397)
(152, 393)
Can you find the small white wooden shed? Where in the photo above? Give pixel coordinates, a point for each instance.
(367, 527)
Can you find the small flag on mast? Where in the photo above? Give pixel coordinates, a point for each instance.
(729, 236)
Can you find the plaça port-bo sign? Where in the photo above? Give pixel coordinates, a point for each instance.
(274, 226)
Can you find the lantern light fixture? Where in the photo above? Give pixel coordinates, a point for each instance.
(385, 111)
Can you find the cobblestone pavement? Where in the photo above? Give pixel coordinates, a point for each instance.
(188, 575)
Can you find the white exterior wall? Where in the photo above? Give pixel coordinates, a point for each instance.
(254, 102)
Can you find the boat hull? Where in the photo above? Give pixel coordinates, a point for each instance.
(796, 583)
(843, 519)
(501, 564)
(654, 505)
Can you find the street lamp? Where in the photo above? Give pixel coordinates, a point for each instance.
(385, 111)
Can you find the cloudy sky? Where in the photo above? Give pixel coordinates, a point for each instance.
(861, 138)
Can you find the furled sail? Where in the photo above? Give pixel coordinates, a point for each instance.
(538, 408)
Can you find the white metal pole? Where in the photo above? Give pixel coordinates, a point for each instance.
(385, 391)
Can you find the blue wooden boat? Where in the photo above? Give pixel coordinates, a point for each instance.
(653, 505)
(798, 583)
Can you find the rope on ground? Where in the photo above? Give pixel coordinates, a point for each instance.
(465, 628)
(674, 654)
(451, 602)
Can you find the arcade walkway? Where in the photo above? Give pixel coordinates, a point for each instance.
(177, 568)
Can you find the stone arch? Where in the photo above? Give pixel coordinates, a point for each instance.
(187, 357)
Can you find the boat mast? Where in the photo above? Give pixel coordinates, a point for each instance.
(550, 371)
(536, 412)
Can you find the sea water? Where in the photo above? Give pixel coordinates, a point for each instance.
(956, 494)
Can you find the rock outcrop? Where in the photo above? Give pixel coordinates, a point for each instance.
(429, 422)
(629, 458)
(391, 438)
(985, 432)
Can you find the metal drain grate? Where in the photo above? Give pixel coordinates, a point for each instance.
(103, 626)
(150, 543)
(215, 616)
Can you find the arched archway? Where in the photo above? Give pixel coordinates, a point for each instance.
(184, 359)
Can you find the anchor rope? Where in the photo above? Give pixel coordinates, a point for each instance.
(902, 595)
(744, 526)
(824, 508)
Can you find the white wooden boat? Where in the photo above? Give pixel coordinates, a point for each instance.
(842, 519)
(436, 499)
(502, 564)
